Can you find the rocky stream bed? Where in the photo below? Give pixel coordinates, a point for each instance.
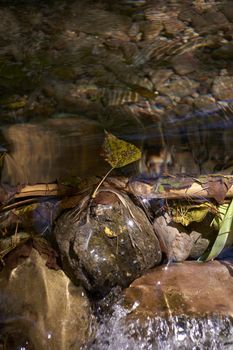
(117, 270)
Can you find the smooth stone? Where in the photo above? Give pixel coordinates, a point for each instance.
(185, 63)
(42, 307)
(189, 288)
(179, 306)
(173, 238)
(110, 245)
(223, 88)
(178, 87)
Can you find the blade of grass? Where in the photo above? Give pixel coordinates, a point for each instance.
(225, 231)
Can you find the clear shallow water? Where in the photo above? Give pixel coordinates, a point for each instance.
(70, 70)
(154, 73)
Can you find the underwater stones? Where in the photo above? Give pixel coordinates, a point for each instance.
(184, 63)
(105, 23)
(178, 87)
(151, 29)
(159, 76)
(172, 25)
(224, 52)
(43, 307)
(223, 88)
(227, 9)
(205, 103)
(9, 26)
(109, 244)
(210, 21)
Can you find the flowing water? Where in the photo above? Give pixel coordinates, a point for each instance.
(158, 74)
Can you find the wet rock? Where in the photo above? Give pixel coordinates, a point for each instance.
(160, 76)
(129, 50)
(151, 29)
(184, 294)
(9, 27)
(100, 22)
(210, 21)
(172, 25)
(228, 10)
(182, 109)
(180, 306)
(200, 245)
(30, 312)
(205, 103)
(223, 88)
(110, 245)
(178, 87)
(224, 52)
(174, 241)
(185, 63)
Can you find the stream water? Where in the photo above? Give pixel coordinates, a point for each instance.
(157, 74)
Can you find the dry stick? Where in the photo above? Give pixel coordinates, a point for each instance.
(194, 191)
(138, 188)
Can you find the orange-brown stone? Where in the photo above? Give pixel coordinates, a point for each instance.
(189, 288)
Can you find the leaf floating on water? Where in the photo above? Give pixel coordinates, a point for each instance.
(225, 232)
(119, 153)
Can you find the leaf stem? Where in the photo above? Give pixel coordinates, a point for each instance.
(96, 190)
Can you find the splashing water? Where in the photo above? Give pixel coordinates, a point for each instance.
(120, 331)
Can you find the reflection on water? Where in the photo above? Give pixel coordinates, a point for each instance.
(50, 151)
(157, 73)
(70, 147)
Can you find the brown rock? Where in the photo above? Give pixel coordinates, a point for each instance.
(223, 88)
(205, 102)
(151, 29)
(190, 288)
(185, 63)
(173, 26)
(227, 9)
(180, 306)
(178, 87)
(42, 307)
(200, 245)
(160, 76)
(210, 21)
(110, 244)
(174, 241)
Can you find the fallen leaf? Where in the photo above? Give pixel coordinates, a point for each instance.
(119, 153)
(217, 189)
(185, 214)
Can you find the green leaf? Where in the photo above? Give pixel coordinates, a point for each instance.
(119, 153)
(187, 214)
(218, 219)
(225, 231)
